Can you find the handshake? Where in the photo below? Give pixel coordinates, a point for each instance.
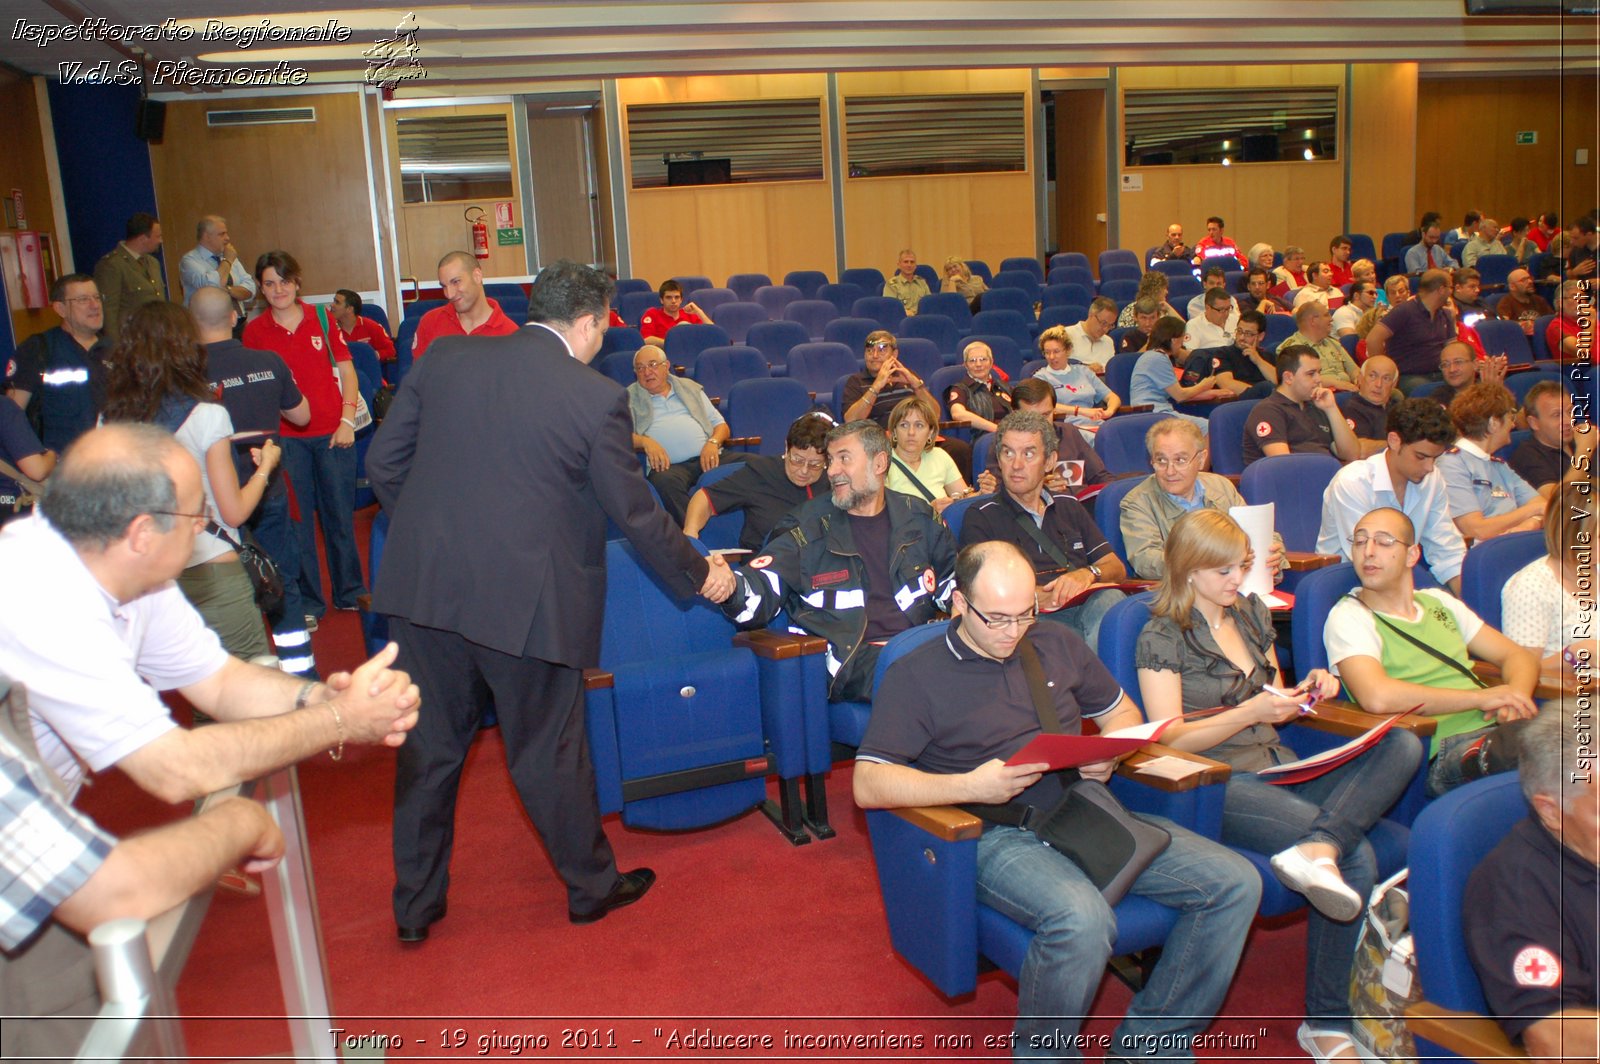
(720, 580)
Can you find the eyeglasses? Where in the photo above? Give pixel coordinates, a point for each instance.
(810, 465)
(999, 623)
(1176, 462)
(881, 345)
(1382, 539)
(86, 299)
(653, 364)
(200, 520)
(981, 360)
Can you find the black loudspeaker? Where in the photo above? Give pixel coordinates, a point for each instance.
(1260, 148)
(152, 121)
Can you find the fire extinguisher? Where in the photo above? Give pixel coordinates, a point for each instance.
(480, 232)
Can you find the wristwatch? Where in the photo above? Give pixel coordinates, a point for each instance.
(1095, 569)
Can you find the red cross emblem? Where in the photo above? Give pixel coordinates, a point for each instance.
(1536, 966)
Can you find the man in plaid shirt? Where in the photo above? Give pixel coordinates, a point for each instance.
(59, 871)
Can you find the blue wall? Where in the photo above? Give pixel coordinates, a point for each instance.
(105, 167)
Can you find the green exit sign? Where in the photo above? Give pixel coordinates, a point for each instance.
(1527, 136)
(508, 237)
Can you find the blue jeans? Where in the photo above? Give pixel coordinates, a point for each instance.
(274, 531)
(1085, 617)
(1214, 889)
(324, 481)
(1445, 772)
(1338, 807)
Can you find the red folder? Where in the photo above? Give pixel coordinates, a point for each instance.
(1070, 751)
(1309, 768)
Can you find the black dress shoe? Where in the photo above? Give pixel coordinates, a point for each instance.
(631, 886)
(420, 932)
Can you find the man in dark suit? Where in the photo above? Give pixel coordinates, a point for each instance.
(493, 576)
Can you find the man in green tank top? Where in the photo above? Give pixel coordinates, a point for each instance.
(1395, 646)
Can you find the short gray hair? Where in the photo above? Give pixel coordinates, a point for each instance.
(1027, 421)
(1547, 756)
(565, 291)
(92, 500)
(874, 441)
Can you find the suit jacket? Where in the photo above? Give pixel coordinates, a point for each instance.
(498, 463)
(126, 284)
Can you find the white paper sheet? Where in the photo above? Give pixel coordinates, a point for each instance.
(1257, 524)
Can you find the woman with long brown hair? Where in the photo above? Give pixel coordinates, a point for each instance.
(158, 376)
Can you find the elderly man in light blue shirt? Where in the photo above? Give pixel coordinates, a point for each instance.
(1402, 476)
(675, 426)
(214, 263)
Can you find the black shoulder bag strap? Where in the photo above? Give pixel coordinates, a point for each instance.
(1434, 651)
(909, 475)
(1049, 546)
(1016, 814)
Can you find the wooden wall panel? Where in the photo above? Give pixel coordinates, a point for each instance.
(1081, 170)
(1467, 155)
(1382, 113)
(300, 187)
(1580, 122)
(973, 216)
(22, 166)
(1279, 203)
(718, 230)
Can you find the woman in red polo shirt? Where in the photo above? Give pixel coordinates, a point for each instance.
(319, 457)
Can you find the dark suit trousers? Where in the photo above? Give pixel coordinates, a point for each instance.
(540, 706)
(675, 484)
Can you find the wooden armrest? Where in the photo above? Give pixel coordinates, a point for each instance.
(1214, 772)
(944, 822)
(1348, 719)
(364, 602)
(780, 646)
(1466, 1034)
(598, 680)
(1134, 408)
(1303, 561)
(945, 426)
(1231, 478)
(742, 441)
(1490, 673)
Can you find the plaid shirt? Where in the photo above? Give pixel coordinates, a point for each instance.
(47, 849)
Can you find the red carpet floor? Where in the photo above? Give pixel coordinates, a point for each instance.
(743, 936)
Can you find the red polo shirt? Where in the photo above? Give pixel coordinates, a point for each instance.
(444, 321)
(654, 324)
(368, 331)
(1559, 329)
(305, 352)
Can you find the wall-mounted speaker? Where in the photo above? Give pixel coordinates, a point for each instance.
(152, 120)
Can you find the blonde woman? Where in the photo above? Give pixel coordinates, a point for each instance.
(1263, 255)
(1082, 396)
(916, 466)
(1152, 285)
(1207, 646)
(958, 278)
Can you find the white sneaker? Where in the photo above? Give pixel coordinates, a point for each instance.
(1344, 1050)
(311, 623)
(1319, 880)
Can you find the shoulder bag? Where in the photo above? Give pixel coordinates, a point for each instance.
(1088, 826)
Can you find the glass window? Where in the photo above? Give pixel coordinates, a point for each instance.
(960, 134)
(1167, 127)
(725, 143)
(454, 157)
